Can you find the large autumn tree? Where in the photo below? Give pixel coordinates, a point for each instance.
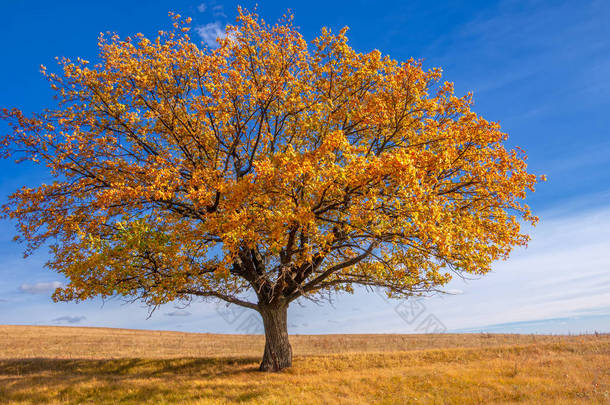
(262, 171)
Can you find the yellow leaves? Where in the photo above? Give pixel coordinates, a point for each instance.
(260, 139)
(332, 142)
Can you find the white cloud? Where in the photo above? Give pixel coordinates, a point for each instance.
(210, 32)
(40, 288)
(564, 272)
(202, 7)
(69, 319)
(178, 313)
(218, 11)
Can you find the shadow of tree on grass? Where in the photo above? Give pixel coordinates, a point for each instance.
(44, 380)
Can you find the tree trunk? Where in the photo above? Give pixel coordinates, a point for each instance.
(278, 352)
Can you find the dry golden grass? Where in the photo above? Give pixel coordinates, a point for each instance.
(97, 365)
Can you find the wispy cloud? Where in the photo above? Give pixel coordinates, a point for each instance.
(69, 319)
(565, 271)
(210, 32)
(202, 7)
(178, 313)
(218, 11)
(40, 288)
(529, 49)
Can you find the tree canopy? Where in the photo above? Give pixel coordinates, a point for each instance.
(261, 171)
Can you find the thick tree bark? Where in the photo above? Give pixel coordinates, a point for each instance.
(278, 352)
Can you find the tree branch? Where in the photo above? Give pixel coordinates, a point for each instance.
(223, 297)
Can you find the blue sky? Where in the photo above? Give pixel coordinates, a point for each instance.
(540, 68)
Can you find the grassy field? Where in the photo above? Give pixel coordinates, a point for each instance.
(97, 365)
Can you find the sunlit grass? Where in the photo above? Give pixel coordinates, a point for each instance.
(89, 365)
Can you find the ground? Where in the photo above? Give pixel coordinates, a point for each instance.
(73, 365)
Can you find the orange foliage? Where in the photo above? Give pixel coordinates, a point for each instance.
(264, 165)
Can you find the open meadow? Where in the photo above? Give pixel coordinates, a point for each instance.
(73, 365)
